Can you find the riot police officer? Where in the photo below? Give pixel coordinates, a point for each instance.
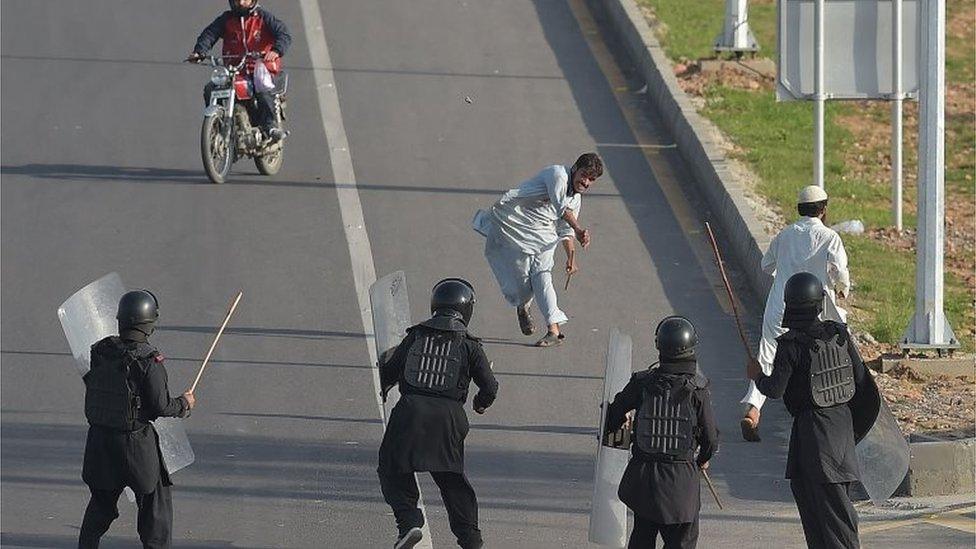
(820, 376)
(125, 389)
(673, 435)
(433, 366)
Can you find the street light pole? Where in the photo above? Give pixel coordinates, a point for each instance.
(819, 98)
(929, 328)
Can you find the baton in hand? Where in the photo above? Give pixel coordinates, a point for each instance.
(213, 345)
(569, 275)
(711, 487)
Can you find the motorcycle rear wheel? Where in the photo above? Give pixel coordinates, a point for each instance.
(216, 148)
(269, 164)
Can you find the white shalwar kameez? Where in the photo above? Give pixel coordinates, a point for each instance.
(522, 231)
(804, 246)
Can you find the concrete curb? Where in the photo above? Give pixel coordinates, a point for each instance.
(940, 468)
(739, 229)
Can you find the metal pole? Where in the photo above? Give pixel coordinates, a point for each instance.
(740, 35)
(736, 35)
(896, 115)
(818, 94)
(929, 328)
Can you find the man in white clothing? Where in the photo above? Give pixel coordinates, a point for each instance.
(522, 231)
(805, 246)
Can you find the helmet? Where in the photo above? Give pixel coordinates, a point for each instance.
(137, 307)
(242, 12)
(675, 337)
(454, 294)
(804, 291)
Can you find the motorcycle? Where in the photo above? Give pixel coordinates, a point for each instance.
(228, 134)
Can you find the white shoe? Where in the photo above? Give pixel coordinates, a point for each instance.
(408, 540)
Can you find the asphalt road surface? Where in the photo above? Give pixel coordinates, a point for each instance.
(101, 172)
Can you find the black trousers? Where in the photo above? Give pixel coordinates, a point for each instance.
(155, 523)
(676, 536)
(828, 517)
(401, 492)
(264, 111)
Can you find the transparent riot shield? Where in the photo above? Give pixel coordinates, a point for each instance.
(89, 316)
(391, 318)
(608, 515)
(882, 457)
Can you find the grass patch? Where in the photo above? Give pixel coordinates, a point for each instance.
(692, 26)
(884, 295)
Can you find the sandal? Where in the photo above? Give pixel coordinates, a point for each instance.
(550, 340)
(525, 320)
(750, 429)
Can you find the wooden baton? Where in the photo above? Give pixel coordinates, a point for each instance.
(213, 345)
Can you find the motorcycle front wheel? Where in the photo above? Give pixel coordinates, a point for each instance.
(216, 148)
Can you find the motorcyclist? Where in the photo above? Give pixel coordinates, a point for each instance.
(248, 28)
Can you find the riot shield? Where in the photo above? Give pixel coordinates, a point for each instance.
(391, 318)
(89, 316)
(608, 515)
(882, 457)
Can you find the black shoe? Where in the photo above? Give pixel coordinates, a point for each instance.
(276, 134)
(409, 539)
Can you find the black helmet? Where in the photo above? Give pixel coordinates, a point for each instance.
(242, 12)
(454, 294)
(804, 291)
(137, 307)
(675, 337)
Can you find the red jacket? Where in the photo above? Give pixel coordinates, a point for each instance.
(260, 31)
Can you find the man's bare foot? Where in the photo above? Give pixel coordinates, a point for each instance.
(750, 425)
(525, 320)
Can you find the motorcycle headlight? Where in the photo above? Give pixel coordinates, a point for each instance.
(220, 76)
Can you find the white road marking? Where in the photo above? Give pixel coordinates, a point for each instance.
(350, 207)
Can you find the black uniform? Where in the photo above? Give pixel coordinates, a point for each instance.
(433, 366)
(125, 389)
(661, 484)
(822, 464)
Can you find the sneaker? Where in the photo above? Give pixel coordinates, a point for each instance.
(410, 538)
(525, 320)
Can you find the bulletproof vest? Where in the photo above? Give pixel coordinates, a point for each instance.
(831, 373)
(110, 398)
(665, 422)
(434, 364)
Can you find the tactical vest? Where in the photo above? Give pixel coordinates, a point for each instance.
(665, 422)
(434, 364)
(831, 373)
(110, 399)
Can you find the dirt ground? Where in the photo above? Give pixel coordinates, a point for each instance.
(943, 406)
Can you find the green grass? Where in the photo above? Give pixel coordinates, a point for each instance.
(776, 141)
(692, 26)
(884, 291)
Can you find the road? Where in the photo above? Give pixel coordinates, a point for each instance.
(101, 172)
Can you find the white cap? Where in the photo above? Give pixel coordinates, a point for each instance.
(811, 193)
